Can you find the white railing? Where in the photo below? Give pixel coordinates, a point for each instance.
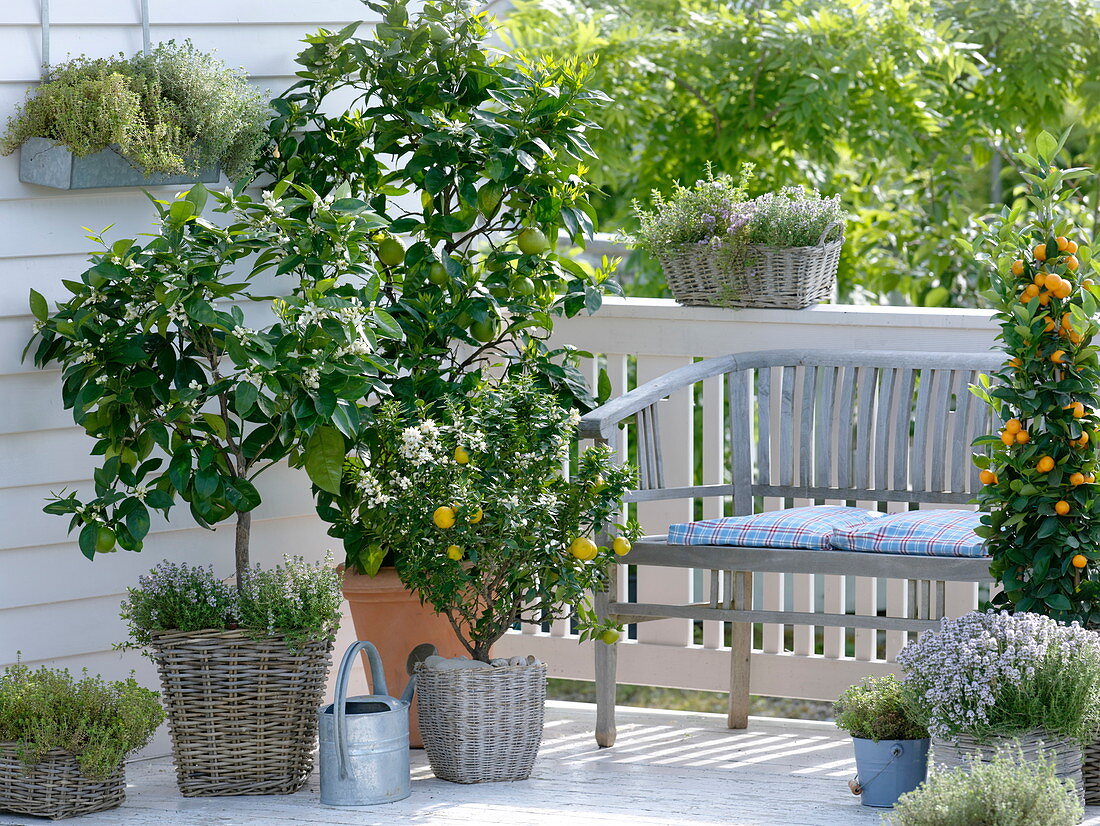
(636, 340)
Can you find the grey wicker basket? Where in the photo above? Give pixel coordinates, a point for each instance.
(1090, 772)
(777, 277)
(481, 724)
(1066, 753)
(55, 787)
(242, 713)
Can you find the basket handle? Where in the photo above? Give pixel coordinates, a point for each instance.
(340, 696)
(827, 230)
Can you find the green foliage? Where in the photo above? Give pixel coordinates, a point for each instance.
(905, 109)
(185, 401)
(99, 722)
(875, 709)
(471, 157)
(172, 111)
(477, 514)
(296, 601)
(1007, 791)
(792, 217)
(1041, 503)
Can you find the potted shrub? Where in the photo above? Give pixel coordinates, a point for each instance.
(1005, 790)
(174, 115)
(717, 247)
(891, 745)
(186, 401)
(63, 741)
(475, 160)
(986, 680)
(1041, 520)
(486, 529)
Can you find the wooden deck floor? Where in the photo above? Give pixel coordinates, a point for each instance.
(668, 768)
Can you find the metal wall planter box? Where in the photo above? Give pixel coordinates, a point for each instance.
(46, 163)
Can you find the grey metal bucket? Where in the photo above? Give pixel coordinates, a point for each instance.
(889, 768)
(364, 740)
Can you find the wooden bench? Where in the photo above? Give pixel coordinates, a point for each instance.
(804, 427)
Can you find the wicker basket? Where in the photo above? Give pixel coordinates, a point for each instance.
(242, 712)
(54, 787)
(481, 725)
(1066, 753)
(783, 277)
(1090, 772)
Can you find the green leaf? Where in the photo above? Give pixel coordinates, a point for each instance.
(39, 307)
(180, 211)
(197, 195)
(324, 459)
(137, 521)
(88, 536)
(1046, 145)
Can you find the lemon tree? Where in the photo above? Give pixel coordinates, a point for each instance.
(475, 512)
(1040, 498)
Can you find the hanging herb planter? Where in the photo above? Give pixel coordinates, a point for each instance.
(174, 115)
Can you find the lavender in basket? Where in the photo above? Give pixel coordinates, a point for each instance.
(999, 674)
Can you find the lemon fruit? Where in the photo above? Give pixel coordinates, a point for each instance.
(477, 516)
(461, 455)
(437, 274)
(621, 546)
(609, 636)
(583, 548)
(454, 552)
(391, 252)
(484, 331)
(444, 517)
(532, 241)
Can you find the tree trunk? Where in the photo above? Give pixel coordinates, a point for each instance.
(244, 528)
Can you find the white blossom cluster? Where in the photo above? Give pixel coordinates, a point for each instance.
(421, 445)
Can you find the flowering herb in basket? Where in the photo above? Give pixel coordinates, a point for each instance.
(999, 674)
(480, 519)
(297, 601)
(792, 217)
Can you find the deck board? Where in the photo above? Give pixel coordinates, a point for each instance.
(667, 768)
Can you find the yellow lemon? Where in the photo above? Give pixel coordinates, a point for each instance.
(583, 548)
(621, 546)
(461, 456)
(477, 516)
(444, 517)
(454, 552)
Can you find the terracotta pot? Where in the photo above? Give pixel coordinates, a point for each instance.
(390, 615)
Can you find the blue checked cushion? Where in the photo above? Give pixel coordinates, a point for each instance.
(918, 533)
(809, 527)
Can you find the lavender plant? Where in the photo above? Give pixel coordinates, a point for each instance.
(297, 601)
(713, 212)
(792, 217)
(999, 674)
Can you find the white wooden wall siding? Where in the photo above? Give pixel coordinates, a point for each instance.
(55, 606)
(830, 427)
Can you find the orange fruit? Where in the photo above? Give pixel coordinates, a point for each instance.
(1048, 325)
(1072, 263)
(988, 477)
(1084, 440)
(1013, 426)
(1071, 247)
(1008, 438)
(1062, 242)
(1078, 410)
(1075, 337)
(1088, 284)
(1061, 507)
(1089, 479)
(1017, 267)
(1051, 281)
(1022, 438)
(1058, 356)
(1030, 291)
(1044, 298)
(1040, 252)
(1039, 279)
(1045, 465)
(1076, 479)
(1014, 362)
(1079, 561)
(1063, 290)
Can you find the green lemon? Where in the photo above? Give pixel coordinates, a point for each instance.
(104, 540)
(610, 637)
(488, 198)
(484, 331)
(391, 252)
(523, 286)
(532, 241)
(438, 275)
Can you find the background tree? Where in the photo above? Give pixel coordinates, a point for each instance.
(907, 109)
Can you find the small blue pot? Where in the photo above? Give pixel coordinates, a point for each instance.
(889, 768)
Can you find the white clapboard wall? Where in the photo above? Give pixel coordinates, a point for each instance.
(56, 607)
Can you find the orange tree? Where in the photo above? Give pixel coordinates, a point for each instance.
(1041, 518)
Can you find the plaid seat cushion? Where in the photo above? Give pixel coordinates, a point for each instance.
(809, 527)
(919, 533)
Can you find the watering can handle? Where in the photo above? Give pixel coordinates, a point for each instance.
(340, 695)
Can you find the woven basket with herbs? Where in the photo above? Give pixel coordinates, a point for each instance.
(718, 248)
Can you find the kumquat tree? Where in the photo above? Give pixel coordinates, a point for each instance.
(1040, 497)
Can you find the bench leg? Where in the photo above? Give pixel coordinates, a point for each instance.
(740, 652)
(606, 660)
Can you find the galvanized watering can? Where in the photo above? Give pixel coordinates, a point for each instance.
(364, 740)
